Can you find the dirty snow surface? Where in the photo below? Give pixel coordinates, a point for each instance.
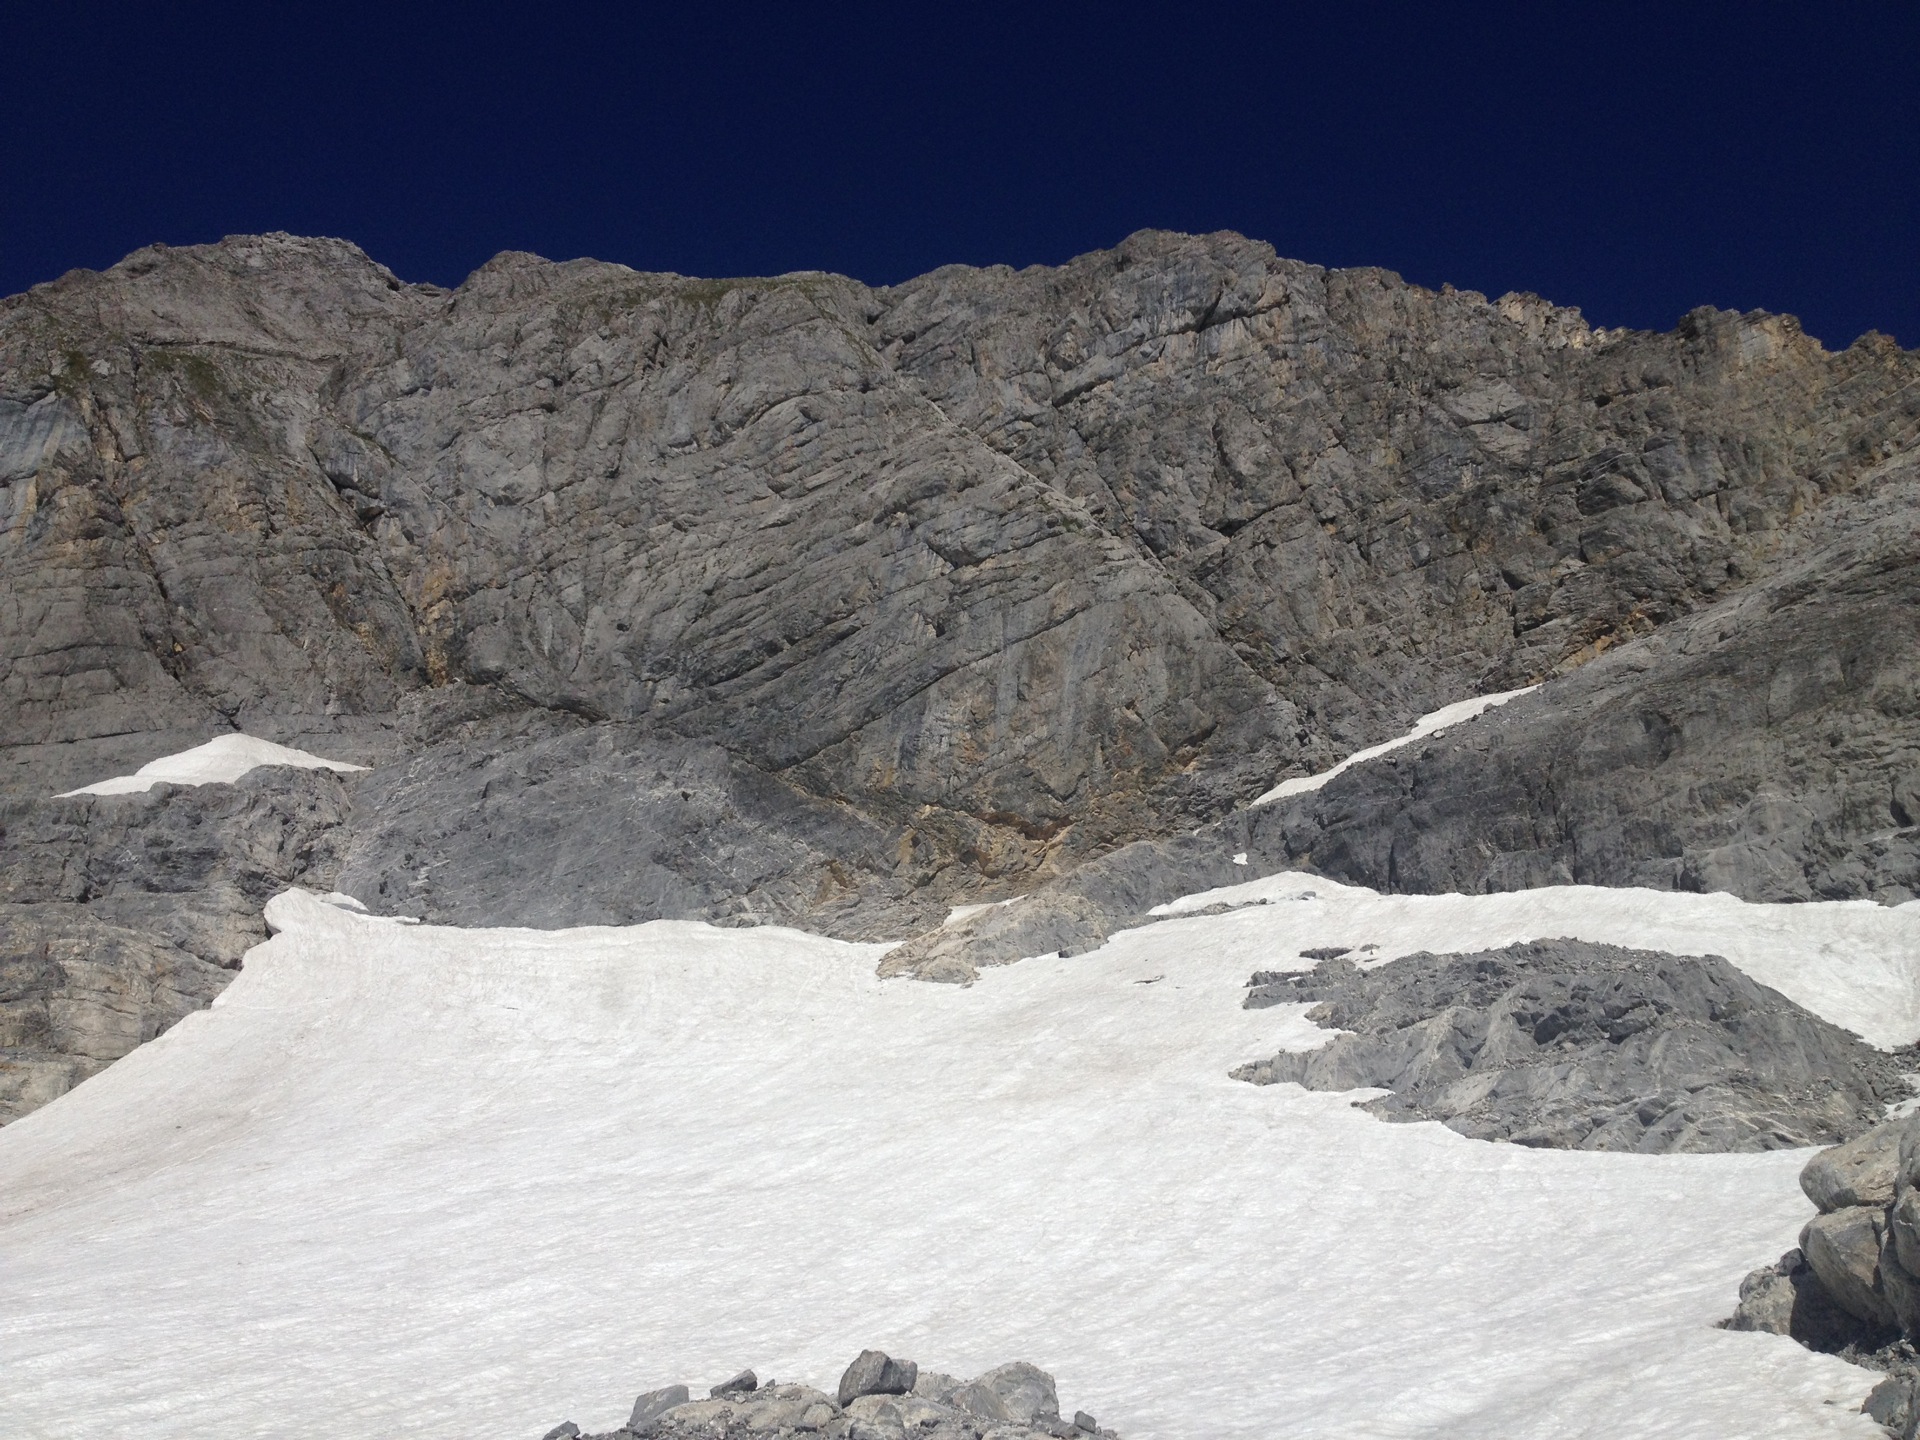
(422, 1181)
(222, 760)
(1446, 717)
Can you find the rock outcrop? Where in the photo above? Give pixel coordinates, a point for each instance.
(1576, 1045)
(878, 1398)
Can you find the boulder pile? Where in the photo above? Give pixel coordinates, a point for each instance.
(878, 1398)
(1853, 1283)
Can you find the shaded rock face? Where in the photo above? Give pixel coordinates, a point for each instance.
(931, 594)
(537, 819)
(1788, 1298)
(1576, 1045)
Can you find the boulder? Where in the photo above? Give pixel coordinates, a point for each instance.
(1025, 1392)
(932, 1385)
(1766, 1302)
(1907, 1168)
(744, 1383)
(565, 1430)
(1787, 1298)
(651, 1406)
(875, 1417)
(1859, 1172)
(1901, 1289)
(876, 1373)
(920, 1414)
(1895, 1404)
(980, 1401)
(1843, 1248)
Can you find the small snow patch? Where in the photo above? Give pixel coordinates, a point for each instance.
(220, 761)
(966, 912)
(1441, 719)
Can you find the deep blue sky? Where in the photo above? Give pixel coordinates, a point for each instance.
(1632, 159)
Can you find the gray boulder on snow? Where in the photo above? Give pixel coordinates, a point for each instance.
(1863, 1171)
(653, 1404)
(1025, 1392)
(1895, 1404)
(1851, 1285)
(874, 1372)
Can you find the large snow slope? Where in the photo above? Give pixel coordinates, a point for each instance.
(420, 1181)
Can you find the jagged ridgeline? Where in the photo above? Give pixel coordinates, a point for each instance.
(795, 599)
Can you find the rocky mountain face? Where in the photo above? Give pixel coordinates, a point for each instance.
(795, 599)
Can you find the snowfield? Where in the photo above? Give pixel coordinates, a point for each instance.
(222, 760)
(424, 1181)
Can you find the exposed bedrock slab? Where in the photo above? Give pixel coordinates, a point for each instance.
(78, 991)
(194, 863)
(1768, 746)
(536, 819)
(1577, 1045)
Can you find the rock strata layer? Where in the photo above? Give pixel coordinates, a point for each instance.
(1576, 1045)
